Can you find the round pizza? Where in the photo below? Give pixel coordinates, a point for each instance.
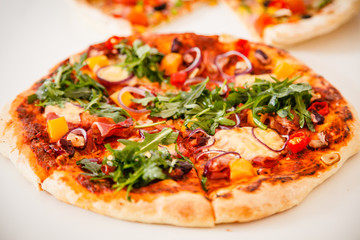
(180, 129)
(275, 22)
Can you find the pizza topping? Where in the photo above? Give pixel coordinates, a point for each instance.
(142, 60)
(320, 107)
(237, 71)
(200, 107)
(121, 129)
(217, 167)
(71, 112)
(67, 146)
(113, 75)
(178, 79)
(298, 142)
(176, 45)
(139, 163)
(57, 128)
(278, 97)
(204, 140)
(97, 62)
(317, 118)
(125, 101)
(331, 158)
(253, 131)
(318, 143)
(195, 62)
(242, 141)
(112, 41)
(77, 137)
(323, 3)
(170, 63)
(241, 168)
(262, 57)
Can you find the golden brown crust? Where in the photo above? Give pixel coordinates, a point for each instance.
(182, 208)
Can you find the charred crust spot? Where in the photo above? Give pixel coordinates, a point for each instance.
(347, 114)
(329, 93)
(97, 187)
(254, 185)
(226, 195)
(35, 135)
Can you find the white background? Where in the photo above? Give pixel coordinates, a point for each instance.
(36, 34)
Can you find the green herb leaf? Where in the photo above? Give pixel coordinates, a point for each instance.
(139, 163)
(90, 165)
(70, 84)
(142, 60)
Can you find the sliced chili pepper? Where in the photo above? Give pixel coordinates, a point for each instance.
(178, 79)
(112, 41)
(242, 46)
(320, 107)
(298, 142)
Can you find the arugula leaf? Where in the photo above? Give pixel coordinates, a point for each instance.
(138, 164)
(278, 97)
(70, 84)
(142, 60)
(323, 3)
(90, 165)
(151, 141)
(200, 107)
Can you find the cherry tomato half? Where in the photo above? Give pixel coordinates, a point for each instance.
(298, 142)
(178, 79)
(321, 107)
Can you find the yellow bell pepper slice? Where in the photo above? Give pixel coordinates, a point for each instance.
(170, 63)
(241, 168)
(125, 98)
(284, 70)
(97, 62)
(57, 128)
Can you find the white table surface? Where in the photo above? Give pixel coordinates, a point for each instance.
(36, 34)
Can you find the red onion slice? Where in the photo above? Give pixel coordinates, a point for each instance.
(80, 131)
(113, 75)
(207, 135)
(267, 146)
(196, 61)
(237, 118)
(192, 81)
(208, 152)
(208, 163)
(230, 53)
(139, 91)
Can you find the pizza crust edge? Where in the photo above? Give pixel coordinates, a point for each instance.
(272, 198)
(182, 208)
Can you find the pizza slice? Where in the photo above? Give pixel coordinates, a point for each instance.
(180, 129)
(285, 22)
(125, 17)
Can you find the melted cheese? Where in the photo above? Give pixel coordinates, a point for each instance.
(70, 112)
(241, 140)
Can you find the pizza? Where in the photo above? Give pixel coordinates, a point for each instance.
(274, 22)
(180, 129)
(132, 16)
(285, 22)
